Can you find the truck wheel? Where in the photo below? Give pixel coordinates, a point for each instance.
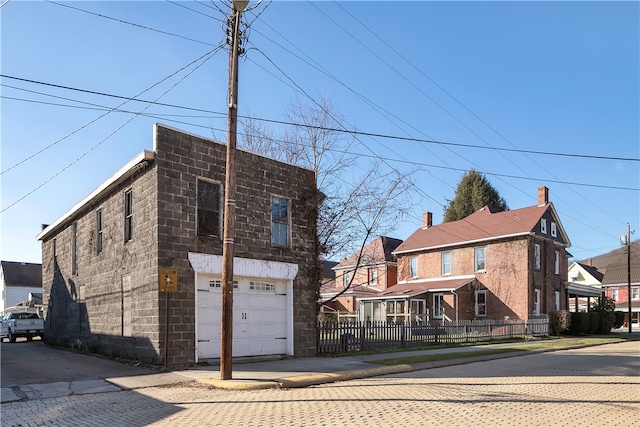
(12, 338)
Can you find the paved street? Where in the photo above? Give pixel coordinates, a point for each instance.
(592, 386)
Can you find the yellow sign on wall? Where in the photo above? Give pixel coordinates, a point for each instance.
(168, 280)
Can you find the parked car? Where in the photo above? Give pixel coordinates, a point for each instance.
(21, 324)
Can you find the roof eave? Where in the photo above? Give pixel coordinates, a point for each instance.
(122, 174)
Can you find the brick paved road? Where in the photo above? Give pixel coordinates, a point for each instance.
(594, 386)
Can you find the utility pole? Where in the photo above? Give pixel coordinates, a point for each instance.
(226, 341)
(629, 273)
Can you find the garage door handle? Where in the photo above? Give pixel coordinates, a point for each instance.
(203, 340)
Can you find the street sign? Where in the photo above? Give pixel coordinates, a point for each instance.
(168, 280)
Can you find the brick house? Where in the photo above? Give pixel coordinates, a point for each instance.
(616, 285)
(363, 274)
(488, 265)
(106, 258)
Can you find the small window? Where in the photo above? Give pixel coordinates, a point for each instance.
(346, 279)
(446, 263)
(614, 294)
(481, 303)
(279, 221)
(557, 305)
(556, 263)
(209, 202)
(536, 256)
(74, 248)
(438, 306)
(99, 231)
(128, 216)
(635, 293)
(373, 276)
(413, 266)
(479, 259)
(536, 302)
(543, 226)
(261, 286)
(554, 229)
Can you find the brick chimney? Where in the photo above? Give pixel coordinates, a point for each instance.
(427, 219)
(543, 195)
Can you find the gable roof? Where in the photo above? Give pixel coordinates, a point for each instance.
(482, 226)
(378, 251)
(593, 271)
(616, 256)
(618, 274)
(22, 274)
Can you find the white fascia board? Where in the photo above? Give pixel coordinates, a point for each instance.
(464, 243)
(143, 156)
(436, 279)
(244, 267)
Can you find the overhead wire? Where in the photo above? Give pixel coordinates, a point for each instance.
(206, 58)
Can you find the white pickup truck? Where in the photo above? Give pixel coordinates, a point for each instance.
(21, 324)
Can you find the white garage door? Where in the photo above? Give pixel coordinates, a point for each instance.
(259, 317)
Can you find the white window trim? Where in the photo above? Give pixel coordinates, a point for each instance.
(485, 293)
(413, 272)
(543, 226)
(484, 258)
(554, 229)
(557, 263)
(438, 314)
(442, 264)
(614, 294)
(536, 257)
(637, 291)
(557, 301)
(536, 302)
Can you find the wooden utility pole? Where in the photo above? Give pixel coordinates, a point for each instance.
(226, 341)
(629, 273)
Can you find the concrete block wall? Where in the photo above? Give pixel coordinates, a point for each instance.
(181, 159)
(85, 309)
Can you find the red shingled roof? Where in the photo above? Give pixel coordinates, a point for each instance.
(411, 289)
(483, 224)
(377, 251)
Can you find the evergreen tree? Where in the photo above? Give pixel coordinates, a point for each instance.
(473, 192)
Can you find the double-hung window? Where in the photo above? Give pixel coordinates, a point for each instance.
(557, 301)
(635, 292)
(446, 263)
(614, 294)
(373, 276)
(536, 256)
(481, 303)
(479, 259)
(279, 221)
(536, 302)
(346, 279)
(413, 266)
(556, 263)
(438, 306)
(554, 229)
(209, 203)
(543, 226)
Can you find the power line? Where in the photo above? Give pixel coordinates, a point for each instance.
(353, 132)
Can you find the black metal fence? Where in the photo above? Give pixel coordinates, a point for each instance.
(336, 337)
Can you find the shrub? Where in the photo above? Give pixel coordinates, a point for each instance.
(605, 307)
(619, 315)
(559, 321)
(579, 323)
(594, 322)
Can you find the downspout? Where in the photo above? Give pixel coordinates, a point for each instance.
(457, 307)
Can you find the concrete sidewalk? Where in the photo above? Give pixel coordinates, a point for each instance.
(304, 372)
(249, 374)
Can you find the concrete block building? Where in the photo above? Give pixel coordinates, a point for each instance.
(106, 262)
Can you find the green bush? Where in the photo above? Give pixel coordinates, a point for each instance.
(594, 322)
(605, 307)
(579, 323)
(559, 321)
(619, 319)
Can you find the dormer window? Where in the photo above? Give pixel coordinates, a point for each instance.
(543, 226)
(554, 229)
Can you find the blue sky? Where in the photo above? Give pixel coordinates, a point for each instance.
(560, 77)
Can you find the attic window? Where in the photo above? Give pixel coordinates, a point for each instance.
(554, 229)
(543, 226)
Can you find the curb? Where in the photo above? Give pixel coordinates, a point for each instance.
(301, 381)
